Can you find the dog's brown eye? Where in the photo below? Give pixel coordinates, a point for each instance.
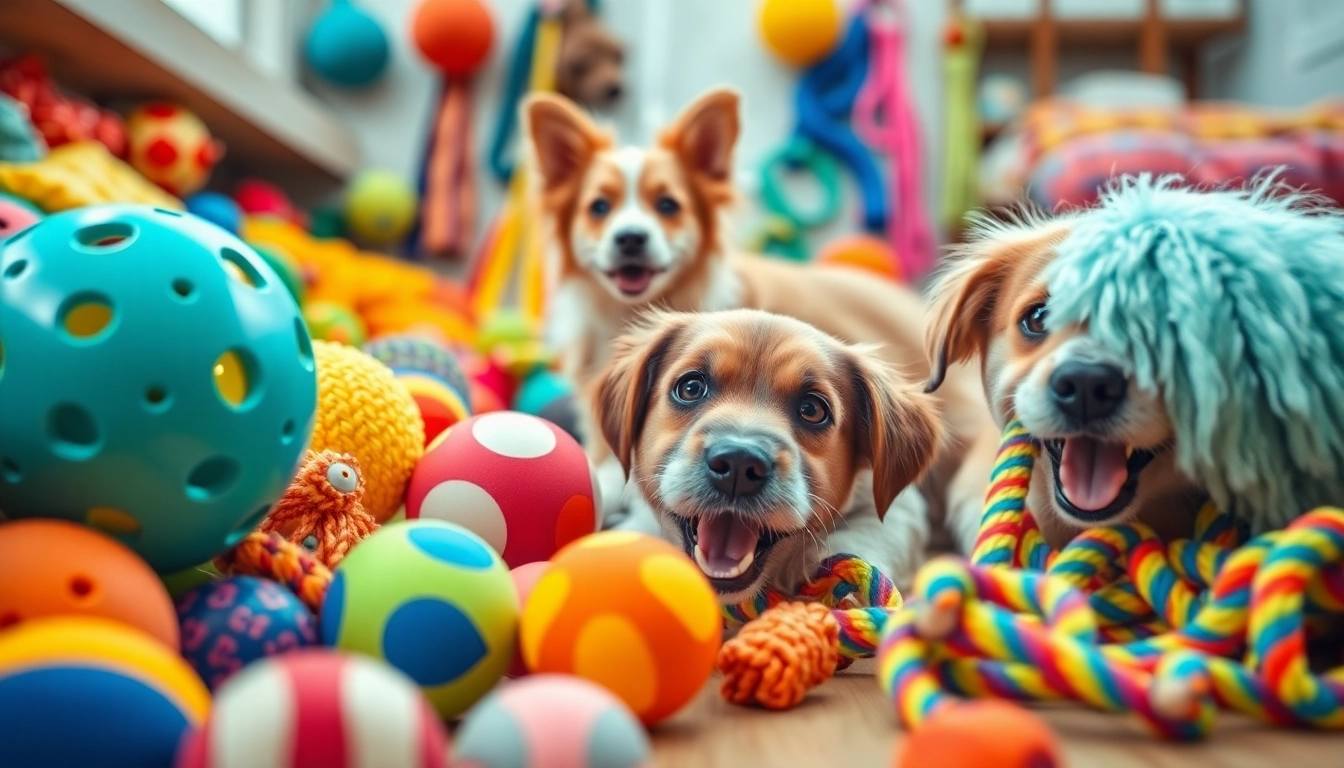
(813, 410)
(690, 388)
(666, 206)
(1033, 322)
(599, 207)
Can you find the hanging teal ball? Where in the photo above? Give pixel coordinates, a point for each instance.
(346, 46)
(157, 380)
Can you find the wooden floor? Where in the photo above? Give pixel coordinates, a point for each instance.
(848, 722)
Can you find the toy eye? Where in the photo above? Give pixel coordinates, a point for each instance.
(342, 477)
(310, 543)
(1033, 322)
(813, 410)
(690, 388)
(666, 206)
(599, 207)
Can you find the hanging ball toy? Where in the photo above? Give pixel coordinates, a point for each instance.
(316, 707)
(171, 147)
(629, 612)
(431, 599)
(157, 380)
(346, 46)
(364, 411)
(234, 621)
(380, 207)
(517, 481)
(334, 322)
(800, 32)
(453, 35)
(16, 215)
(87, 691)
(554, 721)
(980, 733)
(56, 568)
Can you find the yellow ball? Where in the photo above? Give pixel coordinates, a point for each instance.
(363, 410)
(629, 612)
(380, 207)
(801, 32)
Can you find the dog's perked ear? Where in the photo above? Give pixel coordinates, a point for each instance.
(897, 431)
(621, 397)
(704, 135)
(563, 139)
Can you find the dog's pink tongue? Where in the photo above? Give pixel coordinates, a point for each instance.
(725, 541)
(1091, 473)
(633, 281)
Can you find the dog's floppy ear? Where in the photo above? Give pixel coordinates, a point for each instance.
(897, 431)
(705, 133)
(963, 300)
(563, 139)
(621, 397)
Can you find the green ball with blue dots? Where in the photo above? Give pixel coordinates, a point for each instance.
(433, 600)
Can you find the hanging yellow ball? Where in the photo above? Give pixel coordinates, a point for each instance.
(800, 32)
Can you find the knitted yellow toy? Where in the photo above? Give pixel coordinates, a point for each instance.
(363, 410)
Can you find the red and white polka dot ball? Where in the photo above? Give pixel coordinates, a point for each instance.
(517, 481)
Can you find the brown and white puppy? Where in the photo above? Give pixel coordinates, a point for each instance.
(1107, 444)
(760, 446)
(632, 228)
(591, 64)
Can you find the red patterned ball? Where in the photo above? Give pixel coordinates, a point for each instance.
(517, 481)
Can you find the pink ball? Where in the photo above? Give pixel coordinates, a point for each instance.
(262, 198)
(517, 481)
(318, 707)
(554, 721)
(525, 577)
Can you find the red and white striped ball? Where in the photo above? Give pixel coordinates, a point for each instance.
(318, 707)
(517, 481)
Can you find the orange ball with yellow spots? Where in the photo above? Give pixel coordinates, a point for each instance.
(629, 612)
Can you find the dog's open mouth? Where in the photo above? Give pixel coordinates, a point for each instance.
(730, 551)
(1095, 480)
(632, 279)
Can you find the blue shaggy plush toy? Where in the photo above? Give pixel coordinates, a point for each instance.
(1230, 302)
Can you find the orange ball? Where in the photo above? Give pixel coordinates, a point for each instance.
(454, 35)
(863, 252)
(54, 567)
(629, 612)
(978, 734)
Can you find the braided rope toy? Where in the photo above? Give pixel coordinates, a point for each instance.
(1121, 622)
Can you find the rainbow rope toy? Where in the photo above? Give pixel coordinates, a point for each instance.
(1121, 622)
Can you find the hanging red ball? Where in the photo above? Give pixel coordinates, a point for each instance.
(454, 35)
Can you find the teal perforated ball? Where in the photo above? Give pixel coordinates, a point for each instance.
(156, 380)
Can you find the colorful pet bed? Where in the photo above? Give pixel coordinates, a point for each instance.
(1065, 153)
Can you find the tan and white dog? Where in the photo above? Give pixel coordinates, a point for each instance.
(760, 446)
(634, 228)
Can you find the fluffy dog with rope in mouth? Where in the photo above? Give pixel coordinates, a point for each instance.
(761, 446)
(1167, 347)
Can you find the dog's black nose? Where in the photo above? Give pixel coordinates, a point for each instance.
(614, 92)
(1088, 392)
(631, 242)
(737, 469)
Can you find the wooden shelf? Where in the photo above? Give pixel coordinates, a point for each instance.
(1003, 34)
(143, 49)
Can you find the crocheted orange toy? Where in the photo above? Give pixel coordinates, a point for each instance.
(322, 510)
